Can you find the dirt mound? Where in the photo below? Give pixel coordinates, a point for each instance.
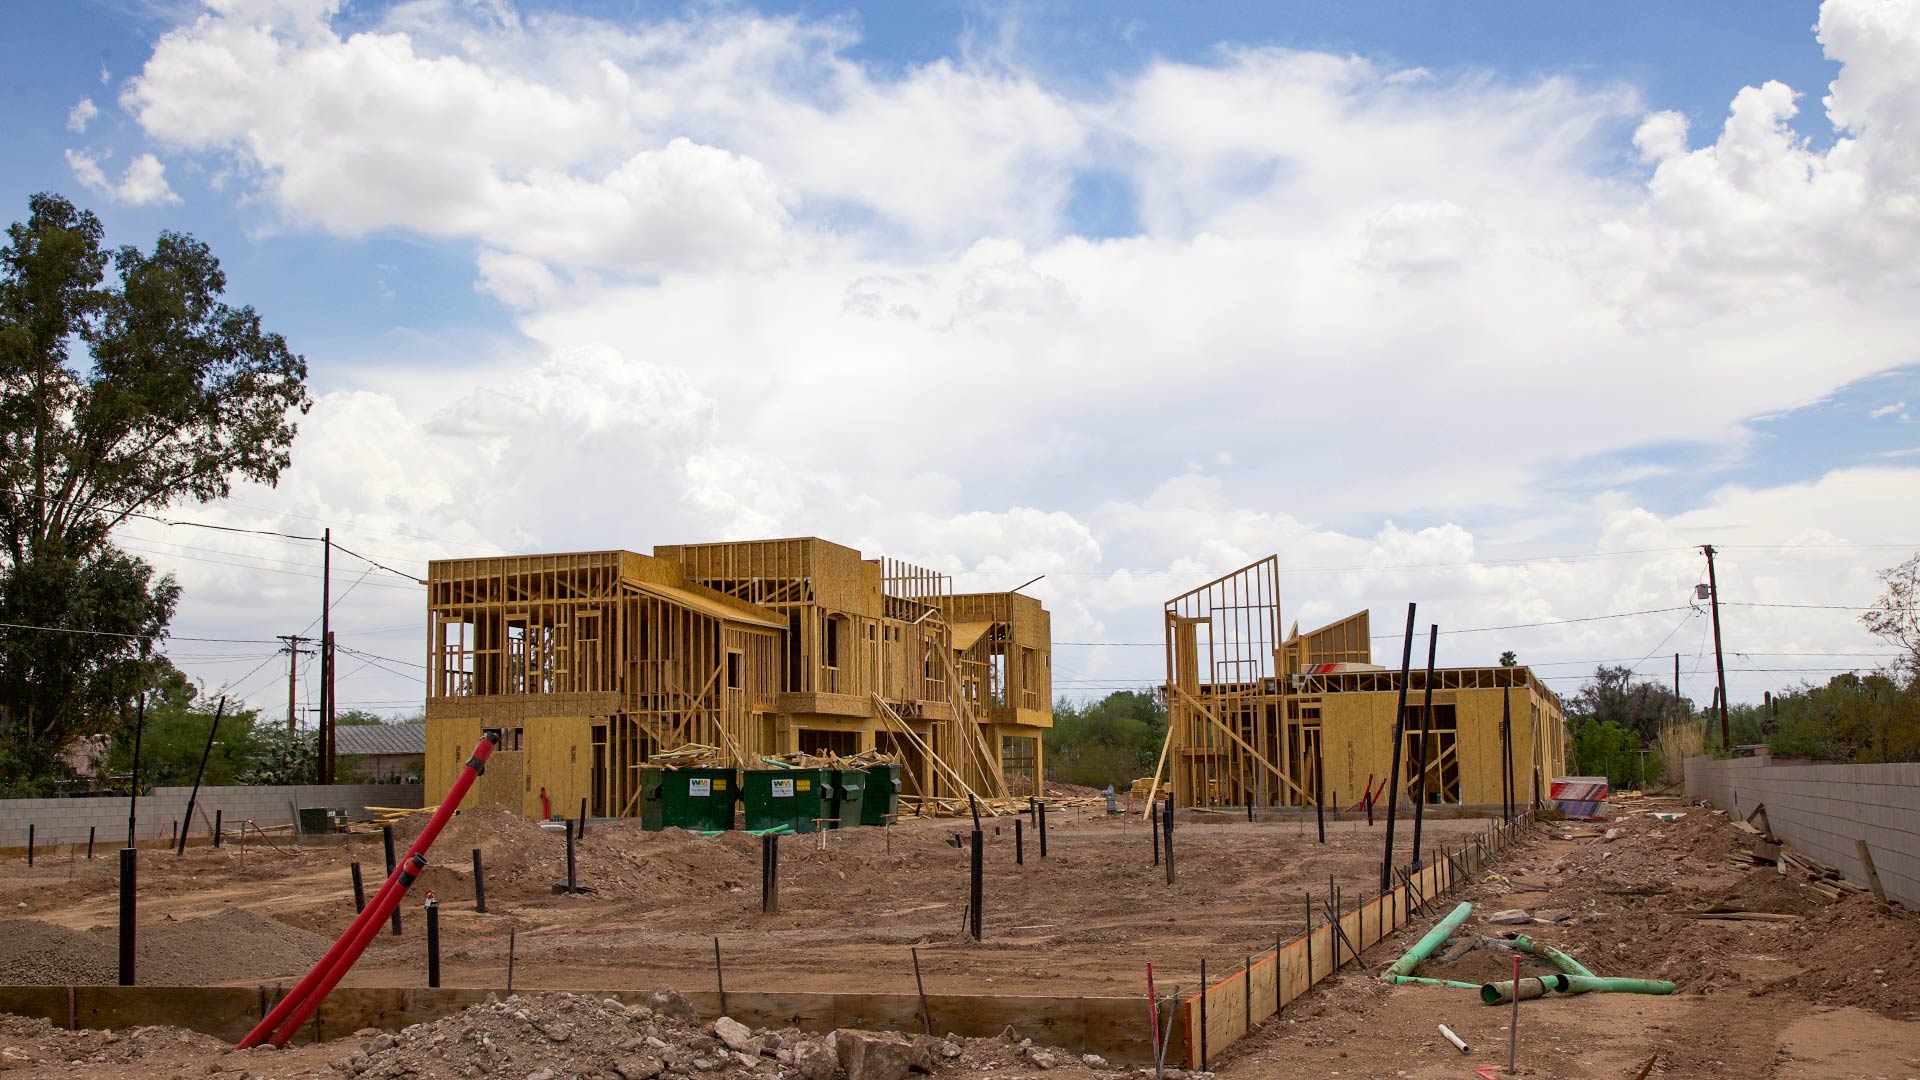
(39, 1046)
(561, 1034)
(232, 945)
(35, 953)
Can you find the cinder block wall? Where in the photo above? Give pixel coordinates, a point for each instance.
(1822, 809)
(61, 821)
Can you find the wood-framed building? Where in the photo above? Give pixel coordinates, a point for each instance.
(588, 663)
(1253, 716)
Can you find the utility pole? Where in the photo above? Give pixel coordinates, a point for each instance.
(1719, 660)
(1678, 701)
(293, 675)
(324, 736)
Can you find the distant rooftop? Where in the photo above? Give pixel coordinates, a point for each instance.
(357, 739)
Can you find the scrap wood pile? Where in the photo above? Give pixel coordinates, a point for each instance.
(689, 756)
(860, 762)
(1765, 849)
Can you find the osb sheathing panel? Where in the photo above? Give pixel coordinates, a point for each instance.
(1358, 728)
(557, 754)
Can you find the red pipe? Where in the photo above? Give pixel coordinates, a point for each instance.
(476, 765)
(405, 875)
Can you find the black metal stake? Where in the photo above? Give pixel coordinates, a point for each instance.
(30, 828)
(201, 773)
(1166, 820)
(719, 977)
(974, 896)
(479, 884)
(511, 933)
(583, 817)
(90, 829)
(1420, 748)
(219, 824)
(1154, 811)
(133, 784)
(1319, 786)
(1246, 996)
(359, 889)
(1393, 783)
(386, 837)
(573, 883)
(128, 872)
(926, 1017)
(1043, 830)
(433, 943)
(1019, 842)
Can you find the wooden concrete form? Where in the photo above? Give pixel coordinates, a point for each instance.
(1114, 1028)
(1253, 719)
(1248, 996)
(588, 663)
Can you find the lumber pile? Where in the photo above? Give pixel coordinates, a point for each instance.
(393, 815)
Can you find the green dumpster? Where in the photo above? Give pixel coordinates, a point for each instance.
(795, 797)
(322, 819)
(882, 799)
(849, 797)
(699, 799)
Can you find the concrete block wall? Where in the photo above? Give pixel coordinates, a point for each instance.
(62, 821)
(1822, 809)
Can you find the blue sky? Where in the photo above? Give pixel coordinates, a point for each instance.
(1479, 295)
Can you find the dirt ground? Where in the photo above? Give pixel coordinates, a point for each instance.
(1829, 996)
(1083, 921)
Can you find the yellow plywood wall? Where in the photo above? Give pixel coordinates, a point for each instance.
(1358, 729)
(557, 752)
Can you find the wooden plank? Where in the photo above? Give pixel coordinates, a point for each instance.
(1873, 875)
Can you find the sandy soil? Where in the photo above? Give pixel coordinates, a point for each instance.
(1084, 921)
(1828, 996)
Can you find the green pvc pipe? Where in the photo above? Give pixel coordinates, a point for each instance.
(1593, 984)
(1499, 993)
(1423, 948)
(1552, 955)
(772, 830)
(1416, 980)
(776, 763)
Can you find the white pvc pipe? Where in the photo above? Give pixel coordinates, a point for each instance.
(1458, 1043)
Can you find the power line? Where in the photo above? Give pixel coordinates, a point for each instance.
(136, 637)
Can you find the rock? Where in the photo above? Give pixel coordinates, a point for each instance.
(541, 1074)
(746, 1060)
(1093, 1061)
(669, 1003)
(920, 1056)
(874, 1055)
(1510, 917)
(814, 1060)
(736, 1035)
(1040, 1059)
(949, 1049)
(639, 1068)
